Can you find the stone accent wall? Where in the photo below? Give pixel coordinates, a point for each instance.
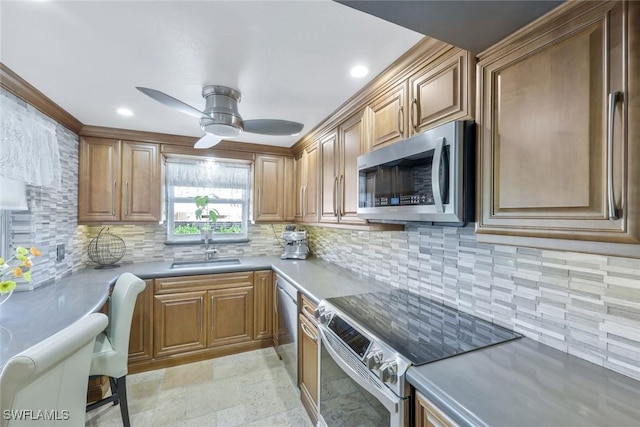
(145, 243)
(583, 304)
(52, 217)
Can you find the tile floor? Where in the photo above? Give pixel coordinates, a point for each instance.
(247, 389)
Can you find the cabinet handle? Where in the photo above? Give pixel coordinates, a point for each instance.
(342, 191)
(258, 202)
(275, 296)
(126, 199)
(435, 176)
(335, 196)
(308, 333)
(301, 201)
(307, 312)
(613, 211)
(113, 198)
(400, 120)
(305, 206)
(414, 110)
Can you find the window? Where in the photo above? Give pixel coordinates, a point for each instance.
(227, 184)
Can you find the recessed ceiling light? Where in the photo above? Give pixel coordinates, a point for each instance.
(359, 71)
(124, 112)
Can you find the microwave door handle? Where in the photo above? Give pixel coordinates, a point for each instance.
(435, 175)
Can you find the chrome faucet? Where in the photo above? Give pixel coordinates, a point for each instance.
(209, 253)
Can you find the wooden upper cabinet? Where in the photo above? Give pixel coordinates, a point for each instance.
(559, 131)
(329, 165)
(441, 91)
(118, 181)
(352, 137)
(269, 188)
(306, 193)
(140, 181)
(389, 117)
(99, 180)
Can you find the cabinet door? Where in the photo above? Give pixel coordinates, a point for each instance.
(141, 337)
(549, 130)
(99, 180)
(352, 142)
(428, 415)
(263, 304)
(389, 117)
(441, 91)
(289, 189)
(269, 188)
(308, 365)
(230, 316)
(328, 189)
(179, 321)
(277, 321)
(311, 185)
(140, 182)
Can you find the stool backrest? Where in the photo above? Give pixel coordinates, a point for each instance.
(51, 377)
(121, 305)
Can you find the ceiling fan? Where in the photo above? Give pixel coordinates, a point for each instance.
(220, 117)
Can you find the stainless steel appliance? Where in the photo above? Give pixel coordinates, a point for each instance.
(367, 343)
(286, 300)
(428, 177)
(295, 243)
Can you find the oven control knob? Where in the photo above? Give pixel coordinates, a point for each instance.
(389, 372)
(374, 359)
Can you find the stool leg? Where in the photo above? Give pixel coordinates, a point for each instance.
(114, 390)
(121, 385)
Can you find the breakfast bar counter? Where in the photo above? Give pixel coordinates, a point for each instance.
(31, 316)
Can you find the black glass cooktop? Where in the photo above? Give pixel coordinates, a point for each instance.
(419, 328)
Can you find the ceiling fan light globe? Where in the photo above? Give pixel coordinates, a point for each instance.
(226, 131)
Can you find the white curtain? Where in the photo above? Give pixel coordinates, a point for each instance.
(29, 150)
(207, 173)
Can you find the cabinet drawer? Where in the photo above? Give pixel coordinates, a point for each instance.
(308, 308)
(204, 282)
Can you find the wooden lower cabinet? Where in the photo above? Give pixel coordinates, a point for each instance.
(230, 315)
(180, 320)
(428, 415)
(141, 337)
(263, 304)
(308, 341)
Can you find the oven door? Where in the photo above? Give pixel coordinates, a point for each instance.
(350, 394)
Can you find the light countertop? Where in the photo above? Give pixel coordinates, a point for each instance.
(520, 382)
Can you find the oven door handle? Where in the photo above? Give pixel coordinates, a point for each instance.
(387, 398)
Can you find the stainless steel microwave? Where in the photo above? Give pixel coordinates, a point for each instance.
(428, 177)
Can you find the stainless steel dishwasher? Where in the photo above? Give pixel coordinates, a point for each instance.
(287, 332)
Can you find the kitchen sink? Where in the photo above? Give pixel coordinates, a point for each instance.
(204, 264)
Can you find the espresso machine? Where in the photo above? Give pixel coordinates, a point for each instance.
(295, 243)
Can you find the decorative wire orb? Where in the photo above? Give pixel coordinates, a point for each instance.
(106, 249)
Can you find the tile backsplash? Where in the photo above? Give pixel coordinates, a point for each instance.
(145, 243)
(583, 304)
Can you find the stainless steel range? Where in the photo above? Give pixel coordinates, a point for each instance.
(369, 341)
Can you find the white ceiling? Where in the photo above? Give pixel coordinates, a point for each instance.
(290, 59)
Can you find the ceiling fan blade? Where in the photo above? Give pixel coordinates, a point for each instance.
(207, 141)
(171, 102)
(272, 127)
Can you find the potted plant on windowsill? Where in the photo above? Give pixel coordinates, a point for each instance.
(204, 212)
